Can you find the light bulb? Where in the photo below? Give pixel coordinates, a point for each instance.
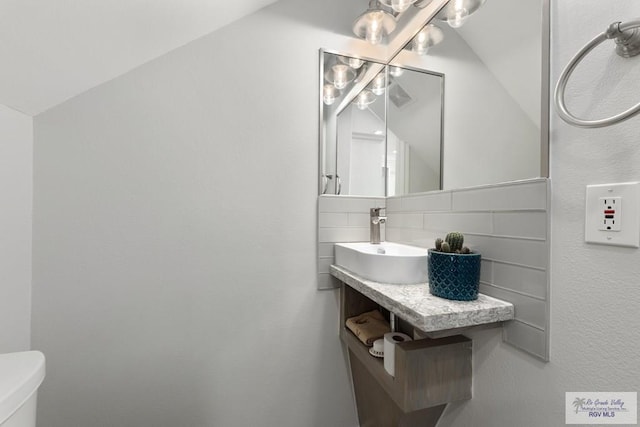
(364, 99)
(340, 76)
(460, 14)
(329, 94)
(396, 71)
(374, 28)
(420, 42)
(400, 5)
(378, 84)
(374, 25)
(459, 18)
(355, 63)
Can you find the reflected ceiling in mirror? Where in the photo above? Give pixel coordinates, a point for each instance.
(496, 102)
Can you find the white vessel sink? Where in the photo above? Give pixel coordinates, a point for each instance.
(385, 262)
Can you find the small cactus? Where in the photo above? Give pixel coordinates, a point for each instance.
(439, 244)
(452, 243)
(455, 240)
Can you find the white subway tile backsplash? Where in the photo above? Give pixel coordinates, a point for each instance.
(359, 219)
(520, 224)
(394, 204)
(333, 219)
(405, 220)
(486, 271)
(476, 222)
(409, 236)
(324, 263)
(334, 203)
(531, 253)
(343, 234)
(530, 195)
(507, 224)
(527, 338)
(521, 279)
(436, 201)
(327, 281)
(341, 219)
(529, 310)
(325, 250)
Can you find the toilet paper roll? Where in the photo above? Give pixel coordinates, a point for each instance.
(390, 341)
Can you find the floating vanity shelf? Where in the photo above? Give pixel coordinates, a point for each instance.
(428, 313)
(429, 373)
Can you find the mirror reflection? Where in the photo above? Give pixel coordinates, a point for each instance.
(496, 118)
(352, 126)
(414, 131)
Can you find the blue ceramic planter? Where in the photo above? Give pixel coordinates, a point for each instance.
(454, 276)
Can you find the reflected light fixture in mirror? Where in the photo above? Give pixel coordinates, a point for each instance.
(354, 63)
(398, 5)
(379, 84)
(429, 36)
(375, 24)
(329, 94)
(395, 71)
(364, 99)
(340, 75)
(456, 12)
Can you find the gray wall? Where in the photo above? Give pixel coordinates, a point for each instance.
(16, 191)
(175, 239)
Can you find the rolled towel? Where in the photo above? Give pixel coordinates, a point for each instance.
(368, 327)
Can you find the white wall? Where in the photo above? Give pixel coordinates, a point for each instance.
(175, 239)
(16, 191)
(595, 292)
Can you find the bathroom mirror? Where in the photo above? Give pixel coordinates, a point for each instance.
(381, 128)
(495, 100)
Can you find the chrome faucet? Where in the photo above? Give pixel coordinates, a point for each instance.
(374, 225)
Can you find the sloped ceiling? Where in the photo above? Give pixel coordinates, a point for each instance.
(52, 50)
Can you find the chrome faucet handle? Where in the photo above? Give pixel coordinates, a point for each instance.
(375, 211)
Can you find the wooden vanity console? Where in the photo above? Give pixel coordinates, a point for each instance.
(429, 373)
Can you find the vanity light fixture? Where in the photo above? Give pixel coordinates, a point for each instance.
(364, 99)
(375, 24)
(398, 6)
(329, 94)
(456, 12)
(340, 75)
(429, 36)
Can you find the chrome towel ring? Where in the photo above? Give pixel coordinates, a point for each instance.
(627, 38)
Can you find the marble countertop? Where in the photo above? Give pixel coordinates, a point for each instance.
(424, 311)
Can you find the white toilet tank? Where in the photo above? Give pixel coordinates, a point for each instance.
(20, 376)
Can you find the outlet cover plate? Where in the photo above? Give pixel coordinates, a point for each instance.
(626, 231)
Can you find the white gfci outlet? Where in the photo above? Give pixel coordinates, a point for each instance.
(611, 208)
(612, 214)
